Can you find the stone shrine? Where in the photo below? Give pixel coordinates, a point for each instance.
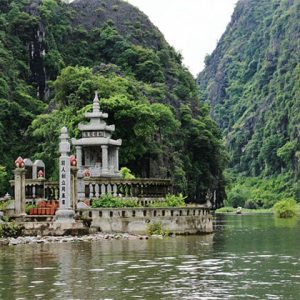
(96, 152)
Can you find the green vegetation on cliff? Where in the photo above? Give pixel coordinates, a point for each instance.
(251, 81)
(55, 55)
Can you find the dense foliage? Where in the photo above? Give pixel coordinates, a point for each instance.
(251, 192)
(55, 55)
(252, 81)
(3, 179)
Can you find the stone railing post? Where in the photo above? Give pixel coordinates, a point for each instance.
(104, 159)
(80, 181)
(65, 213)
(74, 171)
(20, 197)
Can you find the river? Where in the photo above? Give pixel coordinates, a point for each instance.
(248, 257)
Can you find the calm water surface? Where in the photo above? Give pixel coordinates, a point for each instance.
(248, 257)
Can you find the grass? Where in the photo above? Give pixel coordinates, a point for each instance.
(228, 209)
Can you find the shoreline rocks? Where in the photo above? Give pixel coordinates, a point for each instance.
(22, 240)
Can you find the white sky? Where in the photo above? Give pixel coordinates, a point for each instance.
(192, 27)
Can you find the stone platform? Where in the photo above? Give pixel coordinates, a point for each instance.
(55, 229)
(179, 220)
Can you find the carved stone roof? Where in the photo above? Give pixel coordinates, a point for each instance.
(96, 132)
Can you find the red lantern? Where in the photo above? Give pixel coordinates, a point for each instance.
(20, 162)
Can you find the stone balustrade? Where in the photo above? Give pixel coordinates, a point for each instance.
(40, 189)
(140, 187)
(144, 190)
(183, 220)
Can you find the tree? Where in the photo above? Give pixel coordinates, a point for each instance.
(3, 180)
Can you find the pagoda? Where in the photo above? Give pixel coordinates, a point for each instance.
(97, 153)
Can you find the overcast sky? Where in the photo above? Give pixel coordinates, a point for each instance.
(192, 27)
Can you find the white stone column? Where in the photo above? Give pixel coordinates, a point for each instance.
(104, 159)
(20, 200)
(117, 160)
(103, 189)
(74, 187)
(80, 182)
(79, 156)
(64, 213)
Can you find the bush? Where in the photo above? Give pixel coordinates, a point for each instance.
(4, 204)
(238, 200)
(268, 203)
(285, 208)
(126, 173)
(28, 207)
(3, 179)
(251, 204)
(156, 228)
(170, 201)
(175, 200)
(108, 201)
(10, 230)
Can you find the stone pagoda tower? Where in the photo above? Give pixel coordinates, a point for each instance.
(97, 153)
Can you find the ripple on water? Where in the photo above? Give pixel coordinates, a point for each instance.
(59, 283)
(224, 269)
(121, 263)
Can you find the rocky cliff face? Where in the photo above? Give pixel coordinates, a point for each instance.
(251, 81)
(129, 21)
(70, 34)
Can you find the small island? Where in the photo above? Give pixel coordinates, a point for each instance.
(93, 195)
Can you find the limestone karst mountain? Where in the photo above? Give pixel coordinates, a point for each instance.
(251, 81)
(55, 55)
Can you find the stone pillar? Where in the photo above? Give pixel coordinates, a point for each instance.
(20, 199)
(79, 156)
(104, 159)
(65, 214)
(74, 185)
(80, 182)
(117, 160)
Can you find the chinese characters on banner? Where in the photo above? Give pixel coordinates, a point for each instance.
(64, 181)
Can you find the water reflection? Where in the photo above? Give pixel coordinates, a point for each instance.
(285, 223)
(247, 257)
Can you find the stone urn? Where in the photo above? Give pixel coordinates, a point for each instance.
(20, 164)
(41, 174)
(73, 161)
